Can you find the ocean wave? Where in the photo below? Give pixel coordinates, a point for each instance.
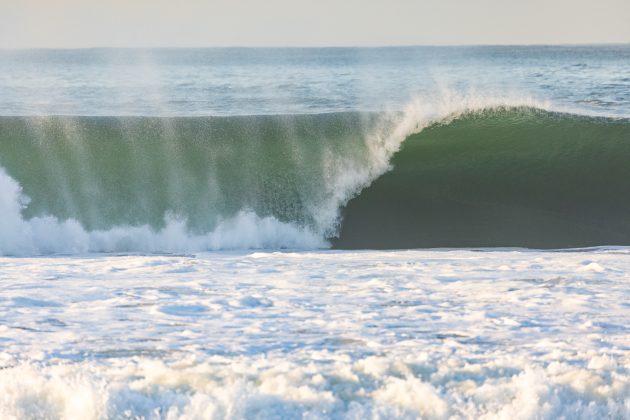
(108, 184)
(506, 176)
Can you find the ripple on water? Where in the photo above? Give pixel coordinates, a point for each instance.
(184, 310)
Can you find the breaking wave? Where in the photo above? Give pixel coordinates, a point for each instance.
(472, 172)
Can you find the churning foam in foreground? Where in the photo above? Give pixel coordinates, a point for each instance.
(320, 335)
(271, 388)
(343, 177)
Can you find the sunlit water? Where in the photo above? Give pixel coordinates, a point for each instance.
(287, 81)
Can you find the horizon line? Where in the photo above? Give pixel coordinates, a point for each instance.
(315, 47)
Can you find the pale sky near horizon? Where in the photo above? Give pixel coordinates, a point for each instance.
(216, 23)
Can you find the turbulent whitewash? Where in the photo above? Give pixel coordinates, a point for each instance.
(329, 334)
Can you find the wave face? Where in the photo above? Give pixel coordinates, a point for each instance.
(82, 184)
(500, 177)
(475, 173)
(106, 171)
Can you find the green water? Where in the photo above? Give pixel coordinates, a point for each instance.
(518, 177)
(498, 177)
(106, 171)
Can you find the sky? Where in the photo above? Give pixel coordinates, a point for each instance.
(221, 23)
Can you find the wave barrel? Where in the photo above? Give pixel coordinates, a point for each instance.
(515, 177)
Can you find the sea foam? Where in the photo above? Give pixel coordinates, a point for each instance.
(318, 334)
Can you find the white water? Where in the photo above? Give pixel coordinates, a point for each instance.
(437, 334)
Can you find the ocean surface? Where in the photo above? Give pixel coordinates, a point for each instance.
(434, 232)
